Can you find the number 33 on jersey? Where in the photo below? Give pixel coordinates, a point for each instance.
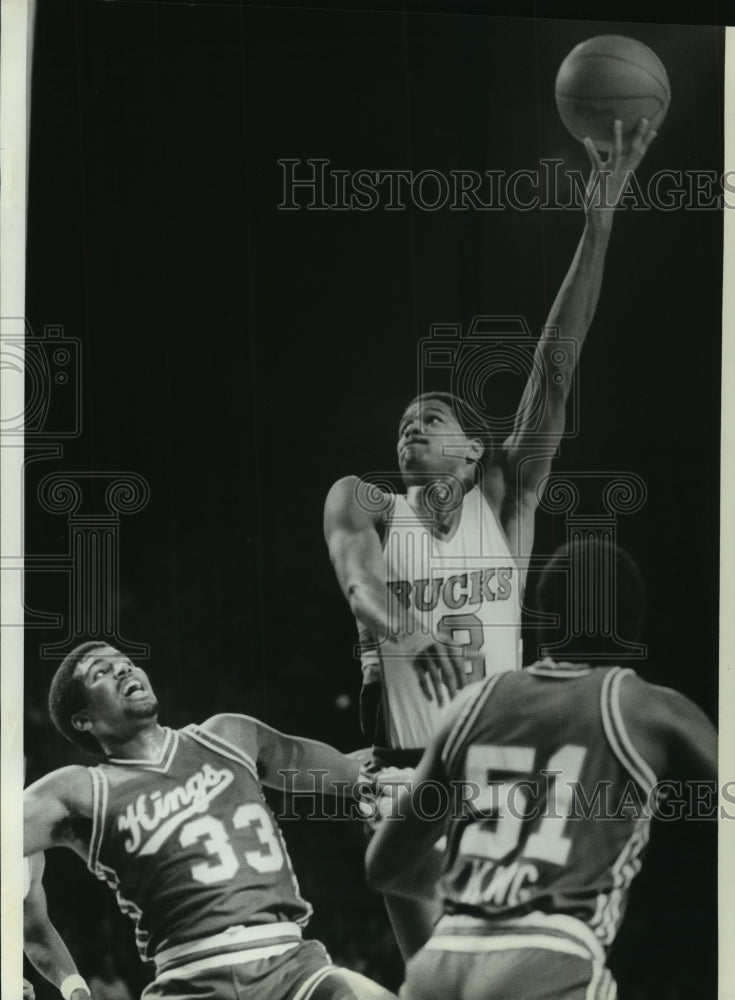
(183, 838)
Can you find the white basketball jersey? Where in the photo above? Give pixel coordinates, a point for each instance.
(467, 585)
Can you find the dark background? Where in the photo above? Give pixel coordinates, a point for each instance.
(242, 358)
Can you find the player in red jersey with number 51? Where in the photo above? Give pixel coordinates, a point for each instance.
(551, 778)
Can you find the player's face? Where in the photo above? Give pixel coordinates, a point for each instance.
(117, 692)
(431, 441)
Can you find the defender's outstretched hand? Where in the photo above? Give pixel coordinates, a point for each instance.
(610, 176)
(388, 782)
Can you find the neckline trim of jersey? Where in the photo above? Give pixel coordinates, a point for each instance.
(444, 539)
(162, 761)
(559, 668)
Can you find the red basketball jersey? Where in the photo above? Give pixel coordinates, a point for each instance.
(561, 814)
(188, 843)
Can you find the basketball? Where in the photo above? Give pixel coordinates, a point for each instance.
(611, 77)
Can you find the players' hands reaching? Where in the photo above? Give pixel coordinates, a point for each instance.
(612, 173)
(28, 992)
(80, 994)
(441, 666)
(387, 784)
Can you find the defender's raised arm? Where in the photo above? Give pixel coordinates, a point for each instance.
(288, 762)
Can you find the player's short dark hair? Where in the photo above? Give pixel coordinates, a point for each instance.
(554, 590)
(472, 423)
(67, 696)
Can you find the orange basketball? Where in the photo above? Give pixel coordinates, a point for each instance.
(611, 77)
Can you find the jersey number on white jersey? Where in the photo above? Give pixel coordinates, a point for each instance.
(467, 631)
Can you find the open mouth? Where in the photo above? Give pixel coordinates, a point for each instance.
(131, 688)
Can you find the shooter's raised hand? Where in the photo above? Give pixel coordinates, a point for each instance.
(610, 176)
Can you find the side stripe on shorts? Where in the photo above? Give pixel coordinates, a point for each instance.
(602, 985)
(307, 988)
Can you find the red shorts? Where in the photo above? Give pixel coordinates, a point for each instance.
(527, 973)
(302, 973)
(534, 957)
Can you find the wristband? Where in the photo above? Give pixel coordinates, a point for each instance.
(71, 983)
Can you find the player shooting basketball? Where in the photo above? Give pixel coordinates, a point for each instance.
(435, 578)
(176, 823)
(558, 769)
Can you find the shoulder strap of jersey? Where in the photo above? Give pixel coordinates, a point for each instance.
(384, 527)
(218, 744)
(616, 733)
(100, 798)
(483, 504)
(458, 733)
